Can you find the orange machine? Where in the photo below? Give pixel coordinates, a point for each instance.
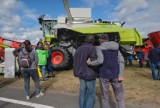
(147, 46)
(148, 43)
(7, 43)
(155, 37)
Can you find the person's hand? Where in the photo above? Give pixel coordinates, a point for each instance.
(120, 78)
(88, 61)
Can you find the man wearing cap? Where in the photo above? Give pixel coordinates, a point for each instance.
(110, 70)
(154, 56)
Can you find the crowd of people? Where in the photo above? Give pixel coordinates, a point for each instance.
(107, 63)
(89, 63)
(152, 59)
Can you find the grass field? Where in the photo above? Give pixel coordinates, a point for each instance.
(138, 84)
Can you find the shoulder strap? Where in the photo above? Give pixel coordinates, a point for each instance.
(26, 54)
(23, 53)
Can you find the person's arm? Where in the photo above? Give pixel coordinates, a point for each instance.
(92, 54)
(20, 56)
(47, 53)
(16, 50)
(149, 54)
(121, 66)
(99, 59)
(36, 58)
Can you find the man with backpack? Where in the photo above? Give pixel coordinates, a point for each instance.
(28, 61)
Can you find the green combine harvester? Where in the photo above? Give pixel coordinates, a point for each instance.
(66, 34)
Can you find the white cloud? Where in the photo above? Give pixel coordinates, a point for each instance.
(32, 34)
(127, 7)
(92, 3)
(141, 14)
(29, 13)
(9, 20)
(14, 16)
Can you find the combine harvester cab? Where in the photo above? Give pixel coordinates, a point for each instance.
(66, 34)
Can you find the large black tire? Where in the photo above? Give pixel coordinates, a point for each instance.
(61, 58)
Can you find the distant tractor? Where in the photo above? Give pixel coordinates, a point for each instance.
(148, 43)
(66, 34)
(146, 47)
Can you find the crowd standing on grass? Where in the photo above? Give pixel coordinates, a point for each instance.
(89, 62)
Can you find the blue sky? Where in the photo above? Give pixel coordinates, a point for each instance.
(18, 18)
(55, 8)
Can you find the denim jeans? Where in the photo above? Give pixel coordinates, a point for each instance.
(130, 62)
(153, 66)
(118, 92)
(27, 73)
(87, 93)
(141, 63)
(43, 70)
(49, 68)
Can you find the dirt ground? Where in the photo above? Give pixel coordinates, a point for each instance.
(139, 86)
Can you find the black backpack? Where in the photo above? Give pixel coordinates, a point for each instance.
(25, 60)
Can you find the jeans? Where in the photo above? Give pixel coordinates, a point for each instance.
(141, 63)
(87, 93)
(153, 66)
(49, 68)
(27, 73)
(43, 70)
(130, 62)
(118, 92)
